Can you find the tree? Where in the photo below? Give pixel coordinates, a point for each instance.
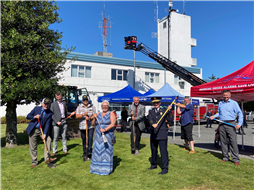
(213, 77)
(31, 57)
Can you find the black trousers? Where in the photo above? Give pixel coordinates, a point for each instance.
(138, 134)
(90, 140)
(164, 153)
(245, 123)
(209, 121)
(123, 126)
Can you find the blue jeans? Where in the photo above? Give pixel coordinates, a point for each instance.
(90, 140)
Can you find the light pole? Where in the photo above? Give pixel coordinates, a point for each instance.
(170, 4)
(134, 72)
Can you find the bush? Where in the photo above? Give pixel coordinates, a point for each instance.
(20, 120)
(3, 120)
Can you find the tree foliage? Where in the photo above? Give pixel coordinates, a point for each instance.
(31, 54)
(213, 77)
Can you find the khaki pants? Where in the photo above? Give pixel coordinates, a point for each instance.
(33, 145)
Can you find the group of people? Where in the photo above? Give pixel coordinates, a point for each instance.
(101, 155)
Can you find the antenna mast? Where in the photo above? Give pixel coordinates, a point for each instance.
(155, 34)
(104, 29)
(183, 7)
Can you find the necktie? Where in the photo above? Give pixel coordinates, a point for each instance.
(42, 117)
(136, 111)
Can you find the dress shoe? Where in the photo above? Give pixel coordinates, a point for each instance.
(33, 166)
(237, 163)
(162, 172)
(223, 160)
(53, 154)
(66, 152)
(192, 152)
(85, 159)
(152, 168)
(136, 153)
(51, 160)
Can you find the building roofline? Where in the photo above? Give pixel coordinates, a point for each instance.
(123, 62)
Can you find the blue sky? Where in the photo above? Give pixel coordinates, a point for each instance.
(224, 30)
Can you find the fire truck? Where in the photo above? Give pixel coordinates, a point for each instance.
(131, 44)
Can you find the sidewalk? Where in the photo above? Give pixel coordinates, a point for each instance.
(206, 140)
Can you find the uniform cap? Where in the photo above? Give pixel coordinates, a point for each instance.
(156, 99)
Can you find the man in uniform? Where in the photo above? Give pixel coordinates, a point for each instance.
(159, 134)
(209, 121)
(137, 113)
(44, 114)
(86, 113)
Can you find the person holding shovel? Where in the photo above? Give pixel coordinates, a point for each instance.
(137, 124)
(44, 114)
(85, 112)
(159, 133)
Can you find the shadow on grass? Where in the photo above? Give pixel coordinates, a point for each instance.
(159, 162)
(116, 162)
(22, 139)
(59, 156)
(141, 146)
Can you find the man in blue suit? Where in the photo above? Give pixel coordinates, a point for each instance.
(159, 134)
(45, 115)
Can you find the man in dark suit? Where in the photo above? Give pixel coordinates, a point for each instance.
(159, 134)
(59, 125)
(137, 113)
(45, 115)
(124, 116)
(209, 121)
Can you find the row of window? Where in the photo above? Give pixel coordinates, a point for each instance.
(116, 74)
(80, 71)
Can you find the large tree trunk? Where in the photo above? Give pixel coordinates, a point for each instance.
(11, 127)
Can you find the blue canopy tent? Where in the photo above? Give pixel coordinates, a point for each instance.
(168, 94)
(122, 96)
(151, 91)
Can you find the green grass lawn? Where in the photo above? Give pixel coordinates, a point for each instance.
(197, 171)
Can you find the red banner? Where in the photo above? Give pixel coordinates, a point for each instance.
(240, 83)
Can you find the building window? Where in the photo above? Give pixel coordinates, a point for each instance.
(152, 77)
(80, 71)
(164, 25)
(118, 74)
(175, 79)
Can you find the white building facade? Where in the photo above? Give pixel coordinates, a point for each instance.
(103, 75)
(175, 43)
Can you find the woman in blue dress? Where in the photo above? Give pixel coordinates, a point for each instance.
(102, 156)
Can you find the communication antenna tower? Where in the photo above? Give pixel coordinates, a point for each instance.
(155, 34)
(104, 27)
(183, 7)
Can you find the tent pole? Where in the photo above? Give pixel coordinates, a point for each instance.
(174, 130)
(199, 135)
(242, 126)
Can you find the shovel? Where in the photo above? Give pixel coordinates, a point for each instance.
(86, 158)
(50, 165)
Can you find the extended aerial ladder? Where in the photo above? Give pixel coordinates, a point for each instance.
(130, 43)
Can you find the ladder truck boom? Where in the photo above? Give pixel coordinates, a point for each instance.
(130, 43)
